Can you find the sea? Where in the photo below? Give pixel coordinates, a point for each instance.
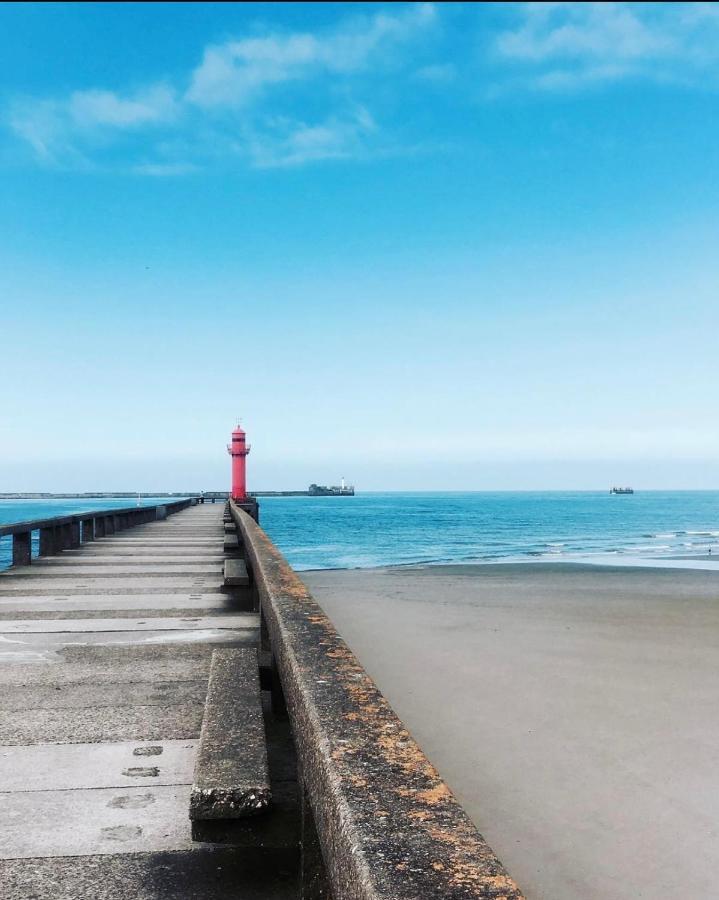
(656, 528)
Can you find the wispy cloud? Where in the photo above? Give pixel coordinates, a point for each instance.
(155, 104)
(562, 46)
(291, 143)
(234, 72)
(231, 103)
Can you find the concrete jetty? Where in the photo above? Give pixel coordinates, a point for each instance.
(104, 660)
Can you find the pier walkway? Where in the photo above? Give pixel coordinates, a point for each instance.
(104, 659)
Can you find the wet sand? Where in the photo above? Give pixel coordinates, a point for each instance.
(572, 709)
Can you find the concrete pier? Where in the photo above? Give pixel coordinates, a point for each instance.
(104, 660)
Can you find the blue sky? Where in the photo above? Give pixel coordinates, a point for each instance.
(418, 246)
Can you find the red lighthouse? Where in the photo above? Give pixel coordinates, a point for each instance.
(238, 450)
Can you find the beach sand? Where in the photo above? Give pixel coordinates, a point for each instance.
(573, 710)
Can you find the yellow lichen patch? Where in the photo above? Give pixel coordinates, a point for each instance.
(400, 750)
(466, 865)
(435, 795)
(419, 815)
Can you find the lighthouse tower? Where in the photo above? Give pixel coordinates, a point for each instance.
(238, 450)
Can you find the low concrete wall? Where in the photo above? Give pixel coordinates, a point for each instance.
(64, 532)
(386, 825)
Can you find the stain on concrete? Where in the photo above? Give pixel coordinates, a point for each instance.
(141, 772)
(155, 750)
(138, 801)
(121, 833)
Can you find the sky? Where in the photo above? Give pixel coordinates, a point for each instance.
(451, 247)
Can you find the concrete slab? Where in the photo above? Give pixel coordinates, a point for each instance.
(91, 822)
(160, 722)
(139, 609)
(29, 647)
(157, 541)
(161, 550)
(112, 670)
(78, 696)
(118, 570)
(64, 767)
(49, 585)
(207, 872)
(132, 559)
(136, 626)
(114, 655)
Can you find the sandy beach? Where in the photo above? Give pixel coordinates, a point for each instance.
(572, 709)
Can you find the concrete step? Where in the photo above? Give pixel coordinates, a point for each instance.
(231, 778)
(236, 573)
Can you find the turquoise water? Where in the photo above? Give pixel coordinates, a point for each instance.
(400, 529)
(24, 510)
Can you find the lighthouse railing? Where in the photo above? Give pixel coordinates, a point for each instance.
(60, 533)
(378, 821)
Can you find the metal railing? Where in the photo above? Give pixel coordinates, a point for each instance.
(378, 822)
(68, 532)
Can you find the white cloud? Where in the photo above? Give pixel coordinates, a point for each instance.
(290, 143)
(573, 45)
(233, 72)
(150, 105)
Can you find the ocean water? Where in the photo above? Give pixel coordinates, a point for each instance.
(369, 530)
(25, 510)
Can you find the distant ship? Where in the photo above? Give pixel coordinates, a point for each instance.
(336, 490)
(621, 490)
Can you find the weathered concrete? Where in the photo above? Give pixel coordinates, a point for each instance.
(59, 696)
(134, 626)
(84, 822)
(209, 873)
(64, 767)
(236, 573)
(231, 775)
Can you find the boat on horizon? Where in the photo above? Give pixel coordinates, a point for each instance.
(621, 490)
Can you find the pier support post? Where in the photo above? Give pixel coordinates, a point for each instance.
(100, 527)
(21, 548)
(66, 532)
(47, 541)
(88, 530)
(74, 534)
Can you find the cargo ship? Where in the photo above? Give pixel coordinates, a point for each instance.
(336, 490)
(621, 490)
